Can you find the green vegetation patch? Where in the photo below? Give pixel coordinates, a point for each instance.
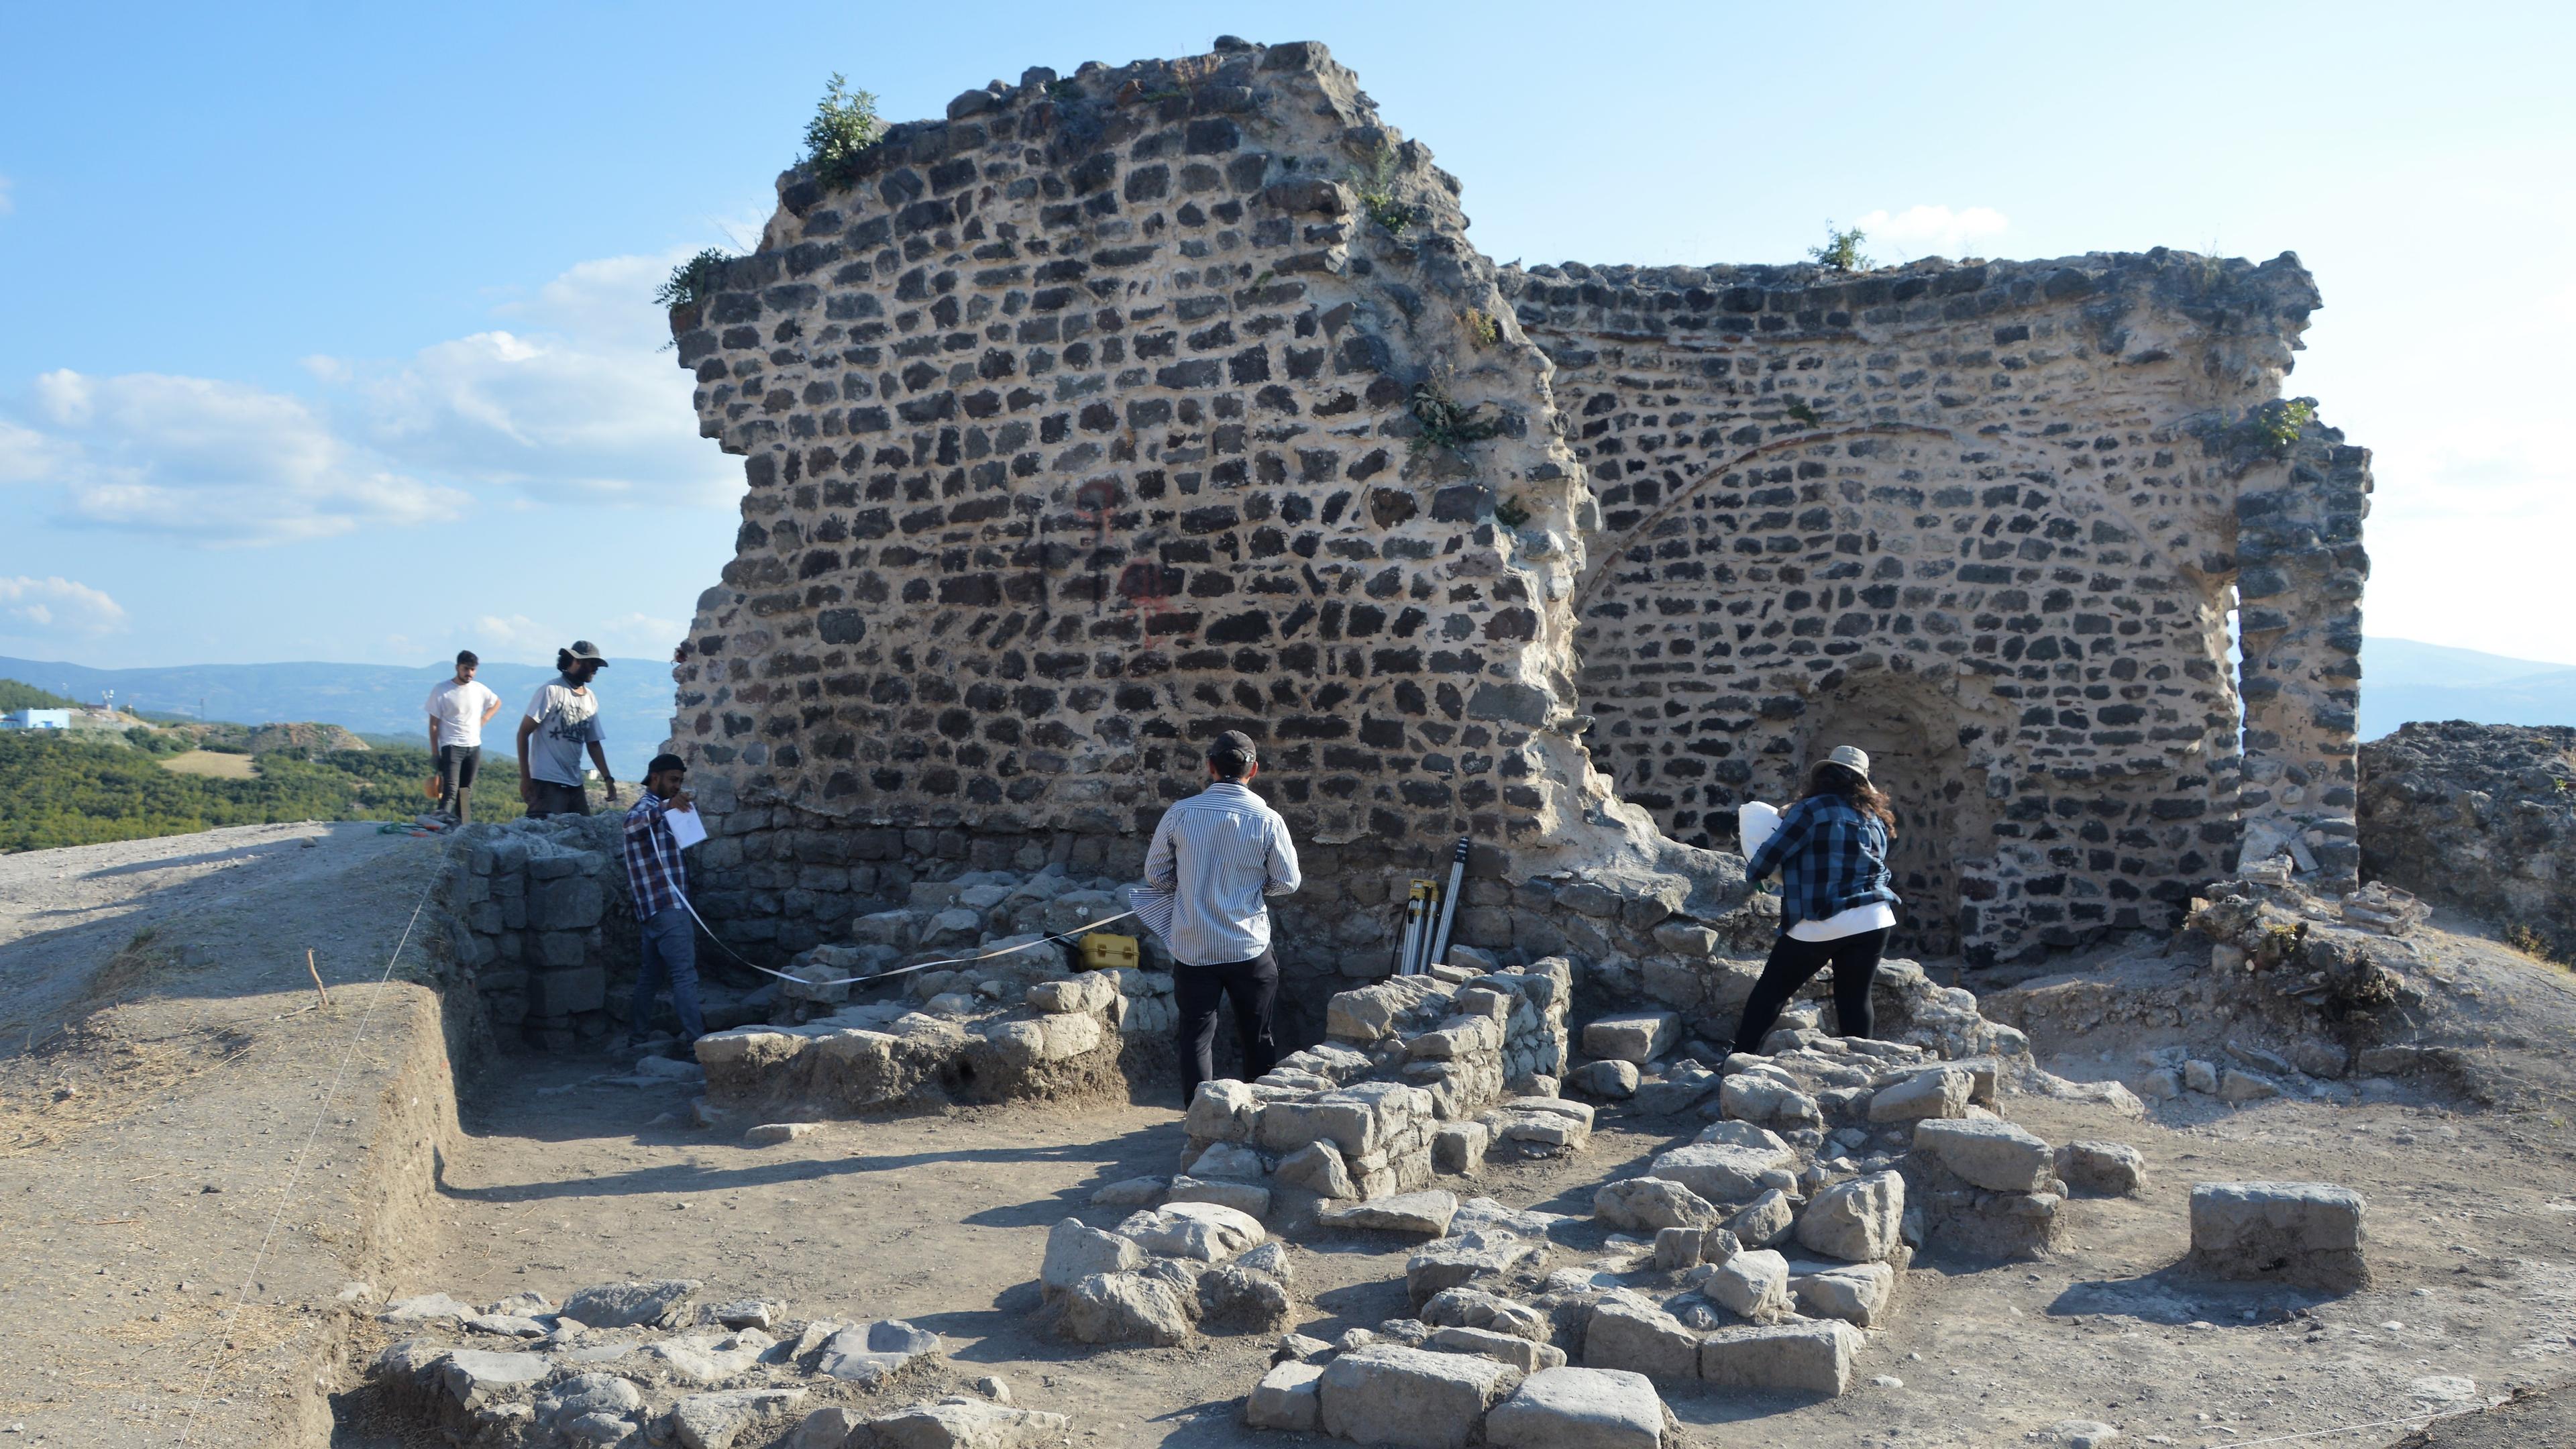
(73, 790)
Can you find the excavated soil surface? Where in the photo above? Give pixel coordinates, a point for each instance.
(563, 1179)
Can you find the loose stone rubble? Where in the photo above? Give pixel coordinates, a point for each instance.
(659, 1363)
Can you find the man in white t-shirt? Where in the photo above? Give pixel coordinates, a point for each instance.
(562, 719)
(458, 710)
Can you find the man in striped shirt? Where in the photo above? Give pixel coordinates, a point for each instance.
(1218, 855)
(658, 882)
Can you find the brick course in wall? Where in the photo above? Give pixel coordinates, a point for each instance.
(1122, 408)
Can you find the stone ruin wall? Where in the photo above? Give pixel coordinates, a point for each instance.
(1983, 520)
(1088, 423)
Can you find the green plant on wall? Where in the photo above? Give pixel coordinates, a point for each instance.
(1444, 423)
(1511, 513)
(845, 124)
(1483, 328)
(1376, 188)
(1804, 415)
(1841, 250)
(2281, 423)
(691, 281)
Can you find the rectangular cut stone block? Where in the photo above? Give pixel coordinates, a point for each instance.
(1991, 1154)
(1287, 1126)
(1388, 1394)
(1639, 1036)
(2307, 1234)
(582, 988)
(1285, 1398)
(1815, 1357)
(1581, 1408)
(1641, 1340)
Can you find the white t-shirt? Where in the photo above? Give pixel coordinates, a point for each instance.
(566, 721)
(1877, 915)
(459, 710)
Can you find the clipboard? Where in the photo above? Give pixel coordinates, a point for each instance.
(686, 828)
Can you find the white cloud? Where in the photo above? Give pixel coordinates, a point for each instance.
(632, 636)
(216, 462)
(1927, 231)
(58, 604)
(574, 402)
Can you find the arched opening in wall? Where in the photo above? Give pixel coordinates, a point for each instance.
(1912, 737)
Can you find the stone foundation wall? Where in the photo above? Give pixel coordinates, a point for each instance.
(1982, 520)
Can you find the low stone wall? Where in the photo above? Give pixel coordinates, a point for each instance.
(2482, 817)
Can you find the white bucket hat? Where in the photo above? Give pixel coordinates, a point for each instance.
(1850, 758)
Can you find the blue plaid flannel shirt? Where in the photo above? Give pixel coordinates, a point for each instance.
(654, 875)
(1831, 857)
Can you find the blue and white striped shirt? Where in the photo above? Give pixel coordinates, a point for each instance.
(1216, 855)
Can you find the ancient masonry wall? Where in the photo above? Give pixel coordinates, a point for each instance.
(1121, 408)
(1986, 521)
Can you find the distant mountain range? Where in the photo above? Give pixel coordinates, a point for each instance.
(373, 699)
(2401, 680)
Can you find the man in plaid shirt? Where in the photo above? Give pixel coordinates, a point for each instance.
(658, 883)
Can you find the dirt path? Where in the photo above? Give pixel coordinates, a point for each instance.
(147, 1150)
(563, 1180)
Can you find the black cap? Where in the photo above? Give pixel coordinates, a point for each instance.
(666, 762)
(584, 649)
(1233, 743)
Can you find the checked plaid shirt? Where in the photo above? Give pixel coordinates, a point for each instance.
(654, 875)
(1831, 857)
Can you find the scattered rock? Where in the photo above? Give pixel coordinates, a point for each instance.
(2308, 1234)
(1753, 1285)
(714, 1421)
(1527, 1355)
(1640, 1338)
(1131, 1192)
(1286, 1397)
(1075, 1252)
(1816, 1357)
(770, 1134)
(1938, 1092)
(1388, 1394)
(1125, 1308)
(1859, 1221)
(1412, 1212)
(1988, 1153)
(1646, 1204)
(1616, 1080)
(1638, 1037)
(2111, 1168)
(630, 1305)
(1765, 1221)
(1582, 1408)
(1206, 1231)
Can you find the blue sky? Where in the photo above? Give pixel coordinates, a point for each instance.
(327, 334)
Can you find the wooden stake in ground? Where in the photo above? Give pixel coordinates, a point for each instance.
(317, 977)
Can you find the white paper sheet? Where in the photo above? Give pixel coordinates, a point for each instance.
(1754, 824)
(686, 828)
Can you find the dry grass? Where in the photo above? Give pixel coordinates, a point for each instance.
(212, 765)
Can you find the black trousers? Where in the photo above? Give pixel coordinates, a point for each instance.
(1198, 990)
(457, 766)
(1794, 963)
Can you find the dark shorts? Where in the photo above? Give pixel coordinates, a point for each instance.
(545, 797)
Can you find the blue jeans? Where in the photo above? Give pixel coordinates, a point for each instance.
(670, 945)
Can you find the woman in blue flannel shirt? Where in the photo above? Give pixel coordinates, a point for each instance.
(1836, 901)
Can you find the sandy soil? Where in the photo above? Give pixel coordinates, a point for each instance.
(150, 1148)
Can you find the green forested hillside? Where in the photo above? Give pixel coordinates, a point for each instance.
(16, 696)
(79, 790)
